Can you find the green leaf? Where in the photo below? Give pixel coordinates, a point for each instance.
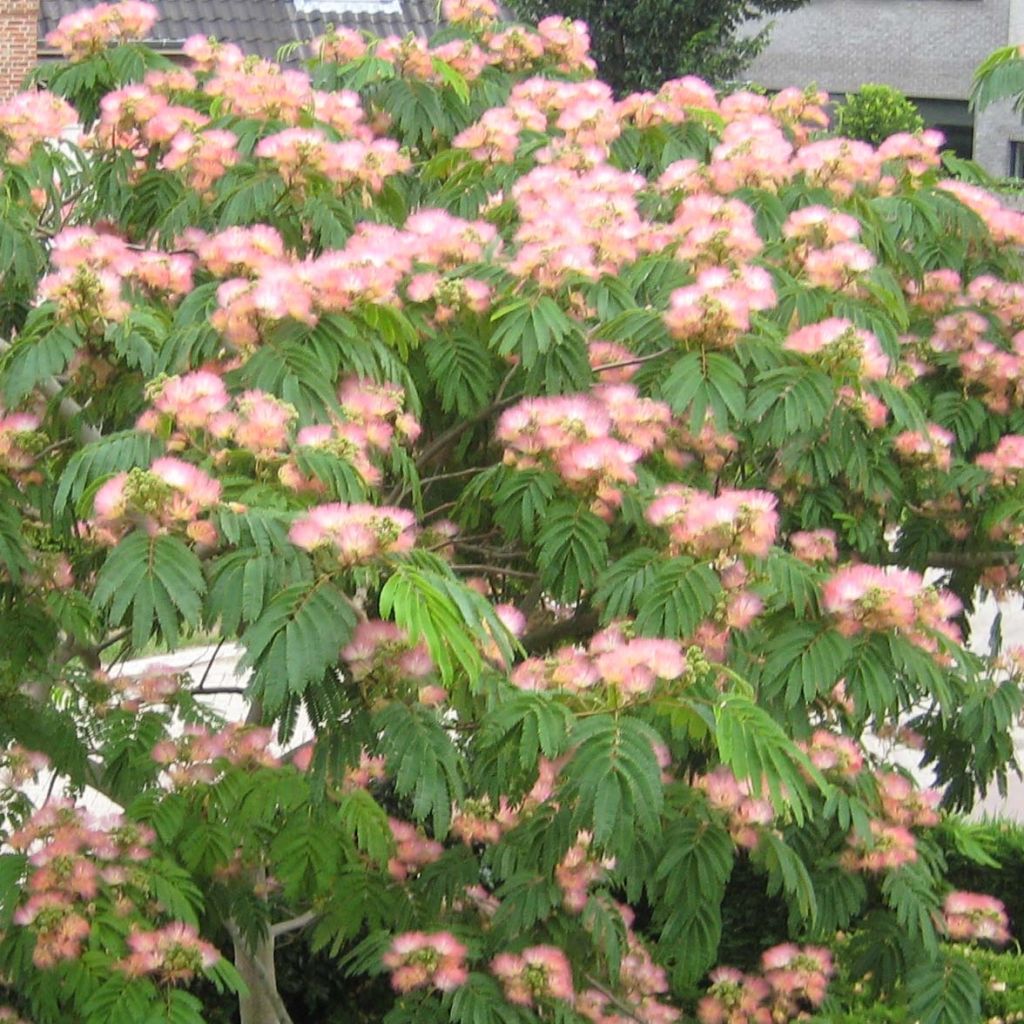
(789, 400)
(944, 991)
(622, 585)
(910, 891)
(681, 594)
(615, 778)
(572, 548)
(803, 662)
(787, 874)
(757, 748)
(296, 640)
(367, 822)
(158, 580)
(114, 453)
(422, 760)
(703, 381)
(455, 622)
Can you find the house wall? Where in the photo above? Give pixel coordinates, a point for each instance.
(928, 49)
(18, 19)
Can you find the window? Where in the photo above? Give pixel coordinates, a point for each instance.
(1016, 168)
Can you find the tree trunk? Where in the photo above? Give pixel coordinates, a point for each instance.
(256, 966)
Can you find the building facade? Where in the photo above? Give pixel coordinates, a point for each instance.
(928, 49)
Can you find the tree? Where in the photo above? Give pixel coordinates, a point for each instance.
(639, 45)
(571, 466)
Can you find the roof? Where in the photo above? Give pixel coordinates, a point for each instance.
(263, 26)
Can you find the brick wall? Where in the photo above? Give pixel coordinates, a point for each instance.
(18, 42)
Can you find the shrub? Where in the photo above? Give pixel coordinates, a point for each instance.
(875, 112)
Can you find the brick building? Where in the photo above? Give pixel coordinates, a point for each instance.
(928, 49)
(258, 26)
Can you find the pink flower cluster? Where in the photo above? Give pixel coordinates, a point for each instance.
(733, 522)
(93, 268)
(199, 756)
(413, 850)
(426, 960)
(747, 816)
(641, 982)
(159, 684)
(814, 545)
(889, 847)
(930, 448)
(632, 666)
(258, 423)
(903, 803)
(1006, 226)
(866, 597)
(18, 441)
(459, 12)
(33, 117)
(85, 32)
(836, 756)
(170, 496)
(356, 534)
(382, 654)
(973, 917)
(73, 856)
(578, 870)
(19, 766)
(794, 980)
(838, 344)
(576, 225)
(1006, 463)
(591, 441)
(172, 954)
(478, 821)
(304, 155)
(536, 975)
(715, 310)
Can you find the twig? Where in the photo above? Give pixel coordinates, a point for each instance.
(960, 559)
(632, 362)
(624, 1007)
(496, 570)
(209, 666)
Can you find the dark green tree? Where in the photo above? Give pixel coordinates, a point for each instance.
(638, 44)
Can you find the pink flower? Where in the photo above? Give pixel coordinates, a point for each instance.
(537, 973)
(971, 916)
(357, 533)
(420, 959)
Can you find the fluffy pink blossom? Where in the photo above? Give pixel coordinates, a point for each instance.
(536, 974)
(971, 916)
(356, 533)
(422, 960)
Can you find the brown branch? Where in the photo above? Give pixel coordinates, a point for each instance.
(495, 570)
(961, 559)
(583, 622)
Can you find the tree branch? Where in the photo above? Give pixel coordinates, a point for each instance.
(583, 622)
(961, 559)
(293, 924)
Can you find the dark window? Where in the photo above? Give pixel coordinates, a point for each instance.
(1016, 168)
